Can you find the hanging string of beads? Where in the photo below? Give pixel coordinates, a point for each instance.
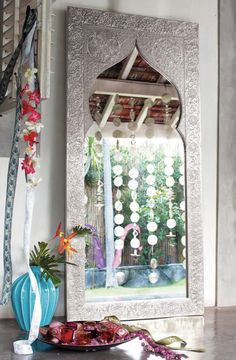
(134, 206)
(169, 171)
(151, 225)
(118, 182)
(182, 208)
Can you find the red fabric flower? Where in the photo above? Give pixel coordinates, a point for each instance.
(34, 96)
(27, 165)
(24, 89)
(34, 116)
(65, 244)
(58, 231)
(31, 137)
(26, 108)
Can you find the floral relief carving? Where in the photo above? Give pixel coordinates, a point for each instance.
(97, 40)
(103, 45)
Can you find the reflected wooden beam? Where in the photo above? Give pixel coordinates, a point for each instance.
(143, 114)
(128, 64)
(133, 88)
(107, 110)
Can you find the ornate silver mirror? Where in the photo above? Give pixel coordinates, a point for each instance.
(133, 161)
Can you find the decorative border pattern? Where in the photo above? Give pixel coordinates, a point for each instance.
(97, 40)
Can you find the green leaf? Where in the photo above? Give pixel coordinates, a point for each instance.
(81, 231)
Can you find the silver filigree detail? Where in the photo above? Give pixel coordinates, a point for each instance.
(147, 33)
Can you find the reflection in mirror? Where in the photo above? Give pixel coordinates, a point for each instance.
(134, 185)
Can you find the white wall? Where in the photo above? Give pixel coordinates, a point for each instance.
(49, 209)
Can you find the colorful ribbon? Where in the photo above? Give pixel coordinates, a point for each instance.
(161, 346)
(26, 47)
(24, 346)
(13, 164)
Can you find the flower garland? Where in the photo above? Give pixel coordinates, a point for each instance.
(30, 114)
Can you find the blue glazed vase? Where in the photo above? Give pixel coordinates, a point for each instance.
(23, 299)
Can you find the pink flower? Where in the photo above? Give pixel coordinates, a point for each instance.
(31, 137)
(24, 89)
(34, 116)
(26, 108)
(27, 165)
(34, 96)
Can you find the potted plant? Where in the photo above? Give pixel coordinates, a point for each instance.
(45, 264)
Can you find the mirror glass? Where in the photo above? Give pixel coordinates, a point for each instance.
(135, 186)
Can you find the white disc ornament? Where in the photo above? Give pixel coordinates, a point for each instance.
(119, 231)
(117, 134)
(149, 103)
(181, 180)
(135, 243)
(183, 240)
(149, 133)
(169, 170)
(150, 180)
(149, 121)
(119, 219)
(116, 121)
(119, 244)
(182, 205)
(184, 253)
(121, 278)
(152, 240)
(151, 191)
(133, 184)
(151, 203)
(170, 181)
(153, 278)
(150, 168)
(118, 181)
(118, 194)
(98, 136)
(152, 226)
(133, 173)
(117, 108)
(117, 169)
(134, 217)
(134, 206)
(98, 148)
(183, 216)
(168, 161)
(98, 117)
(132, 126)
(118, 205)
(153, 263)
(118, 157)
(134, 195)
(171, 223)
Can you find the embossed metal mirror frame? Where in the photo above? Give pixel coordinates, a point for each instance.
(96, 40)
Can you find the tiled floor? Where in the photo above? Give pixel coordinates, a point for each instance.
(218, 336)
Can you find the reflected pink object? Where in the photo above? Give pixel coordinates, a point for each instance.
(118, 253)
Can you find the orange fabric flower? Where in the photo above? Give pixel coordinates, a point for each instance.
(65, 244)
(58, 232)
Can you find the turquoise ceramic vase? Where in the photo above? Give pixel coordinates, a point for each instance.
(23, 299)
